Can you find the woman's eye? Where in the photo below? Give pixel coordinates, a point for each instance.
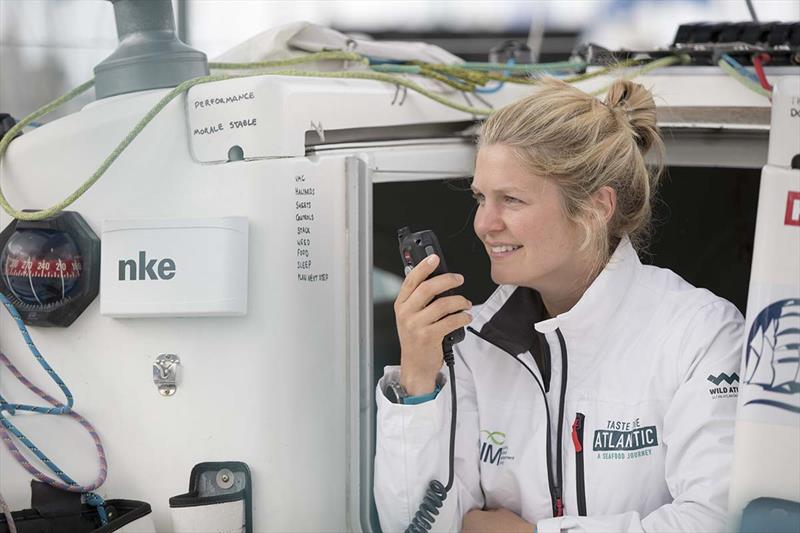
(511, 200)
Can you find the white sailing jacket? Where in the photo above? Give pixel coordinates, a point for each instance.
(641, 406)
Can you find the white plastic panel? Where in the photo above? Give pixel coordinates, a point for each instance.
(268, 388)
(174, 267)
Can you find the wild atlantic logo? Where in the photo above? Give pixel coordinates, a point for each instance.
(492, 449)
(723, 385)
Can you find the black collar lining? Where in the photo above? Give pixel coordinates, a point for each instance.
(511, 328)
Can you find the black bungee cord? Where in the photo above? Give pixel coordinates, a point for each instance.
(436, 492)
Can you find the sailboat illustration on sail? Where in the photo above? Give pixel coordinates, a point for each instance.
(773, 355)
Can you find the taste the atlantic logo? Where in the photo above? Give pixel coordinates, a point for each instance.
(492, 449)
(624, 440)
(723, 385)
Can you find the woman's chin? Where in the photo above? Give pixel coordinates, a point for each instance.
(501, 276)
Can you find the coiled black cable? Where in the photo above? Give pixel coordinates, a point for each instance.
(436, 492)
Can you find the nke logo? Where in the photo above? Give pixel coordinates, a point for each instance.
(153, 269)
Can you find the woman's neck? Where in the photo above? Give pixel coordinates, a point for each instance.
(562, 295)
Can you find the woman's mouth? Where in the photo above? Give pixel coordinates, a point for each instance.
(502, 250)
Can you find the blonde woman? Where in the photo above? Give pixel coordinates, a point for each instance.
(589, 386)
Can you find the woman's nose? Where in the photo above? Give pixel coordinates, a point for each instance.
(487, 220)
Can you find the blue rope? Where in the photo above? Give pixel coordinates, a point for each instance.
(91, 498)
(47, 368)
(492, 90)
(740, 68)
(36, 451)
(97, 501)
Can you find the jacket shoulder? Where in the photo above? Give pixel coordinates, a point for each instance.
(680, 296)
(704, 327)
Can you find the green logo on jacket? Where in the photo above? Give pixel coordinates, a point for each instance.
(496, 437)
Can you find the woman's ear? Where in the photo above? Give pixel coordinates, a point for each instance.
(605, 200)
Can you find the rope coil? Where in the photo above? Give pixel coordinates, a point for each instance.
(7, 428)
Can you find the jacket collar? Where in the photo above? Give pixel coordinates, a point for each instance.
(601, 300)
(510, 326)
(511, 313)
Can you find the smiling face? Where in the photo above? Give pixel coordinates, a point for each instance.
(521, 222)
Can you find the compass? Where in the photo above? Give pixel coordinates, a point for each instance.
(49, 269)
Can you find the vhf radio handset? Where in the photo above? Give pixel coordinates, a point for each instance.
(414, 248)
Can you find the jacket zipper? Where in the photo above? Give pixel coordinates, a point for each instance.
(559, 463)
(577, 440)
(554, 484)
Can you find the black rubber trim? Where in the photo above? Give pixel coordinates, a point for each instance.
(192, 498)
(128, 511)
(510, 329)
(122, 513)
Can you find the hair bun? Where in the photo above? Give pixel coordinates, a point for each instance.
(638, 106)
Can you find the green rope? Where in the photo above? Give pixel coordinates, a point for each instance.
(60, 206)
(523, 67)
(394, 80)
(393, 68)
(63, 204)
(185, 86)
(309, 58)
(747, 82)
(648, 67)
(602, 71)
(478, 78)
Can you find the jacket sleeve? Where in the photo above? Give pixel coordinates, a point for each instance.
(412, 449)
(698, 434)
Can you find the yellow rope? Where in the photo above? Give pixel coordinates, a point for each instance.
(308, 58)
(602, 71)
(649, 67)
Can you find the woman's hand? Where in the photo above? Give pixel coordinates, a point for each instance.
(495, 521)
(421, 327)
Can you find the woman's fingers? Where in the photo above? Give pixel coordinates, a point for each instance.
(416, 276)
(442, 307)
(430, 289)
(450, 323)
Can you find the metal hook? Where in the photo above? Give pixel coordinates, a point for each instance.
(469, 103)
(165, 373)
(397, 90)
(350, 46)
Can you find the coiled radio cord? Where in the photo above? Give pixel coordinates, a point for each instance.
(436, 492)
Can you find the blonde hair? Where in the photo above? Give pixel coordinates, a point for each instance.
(582, 144)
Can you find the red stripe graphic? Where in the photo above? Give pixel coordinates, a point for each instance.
(792, 217)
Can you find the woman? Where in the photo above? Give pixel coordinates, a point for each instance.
(588, 384)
